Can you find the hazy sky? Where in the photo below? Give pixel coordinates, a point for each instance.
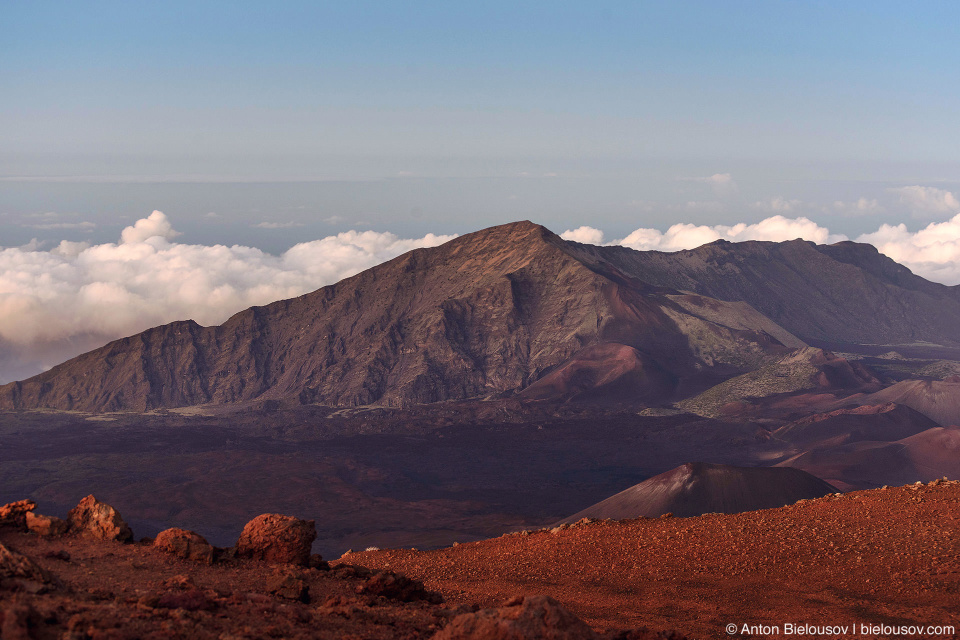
(267, 124)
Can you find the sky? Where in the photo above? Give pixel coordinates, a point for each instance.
(290, 144)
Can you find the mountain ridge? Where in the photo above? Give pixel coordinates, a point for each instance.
(489, 313)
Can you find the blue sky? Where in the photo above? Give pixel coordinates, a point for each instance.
(616, 103)
(296, 143)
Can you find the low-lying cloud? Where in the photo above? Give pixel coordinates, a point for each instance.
(58, 303)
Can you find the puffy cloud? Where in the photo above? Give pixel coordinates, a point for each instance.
(155, 225)
(585, 235)
(927, 201)
(58, 303)
(688, 236)
(932, 252)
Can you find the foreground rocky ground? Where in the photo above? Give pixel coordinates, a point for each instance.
(83, 579)
(887, 558)
(881, 557)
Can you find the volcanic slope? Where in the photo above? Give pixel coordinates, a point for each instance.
(843, 292)
(937, 400)
(486, 313)
(865, 464)
(697, 488)
(883, 557)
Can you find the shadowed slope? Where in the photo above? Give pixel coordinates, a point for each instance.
(698, 487)
(844, 292)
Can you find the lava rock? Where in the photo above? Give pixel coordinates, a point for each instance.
(185, 544)
(273, 537)
(396, 586)
(47, 526)
(20, 573)
(14, 513)
(94, 519)
(526, 617)
(289, 586)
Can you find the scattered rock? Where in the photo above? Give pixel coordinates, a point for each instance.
(180, 581)
(346, 571)
(14, 513)
(277, 538)
(18, 621)
(185, 544)
(317, 562)
(59, 554)
(47, 526)
(525, 617)
(289, 586)
(192, 600)
(20, 573)
(396, 586)
(95, 519)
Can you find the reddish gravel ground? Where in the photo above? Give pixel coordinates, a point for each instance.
(114, 591)
(881, 557)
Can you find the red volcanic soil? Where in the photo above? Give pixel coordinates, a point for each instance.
(880, 557)
(112, 591)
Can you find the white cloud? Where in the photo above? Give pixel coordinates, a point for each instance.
(58, 303)
(155, 225)
(276, 225)
(689, 236)
(583, 235)
(932, 252)
(927, 201)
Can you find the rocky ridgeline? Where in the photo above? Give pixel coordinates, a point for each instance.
(281, 541)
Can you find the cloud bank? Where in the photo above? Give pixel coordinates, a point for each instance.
(56, 304)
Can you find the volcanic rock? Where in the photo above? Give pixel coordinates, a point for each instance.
(95, 519)
(185, 544)
(521, 619)
(272, 537)
(18, 572)
(289, 586)
(697, 488)
(47, 526)
(396, 586)
(14, 513)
